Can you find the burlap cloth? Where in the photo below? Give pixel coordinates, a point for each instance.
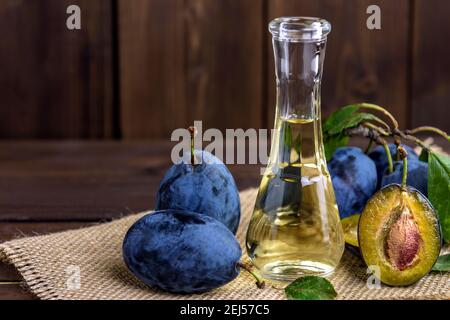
(48, 262)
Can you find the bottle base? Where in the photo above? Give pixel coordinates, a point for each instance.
(288, 271)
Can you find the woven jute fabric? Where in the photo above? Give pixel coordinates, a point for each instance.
(49, 263)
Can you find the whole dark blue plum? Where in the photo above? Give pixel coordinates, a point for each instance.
(181, 252)
(207, 188)
(354, 178)
(417, 175)
(378, 155)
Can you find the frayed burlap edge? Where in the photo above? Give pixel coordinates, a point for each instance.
(34, 282)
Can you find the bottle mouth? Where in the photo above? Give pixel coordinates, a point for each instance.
(299, 29)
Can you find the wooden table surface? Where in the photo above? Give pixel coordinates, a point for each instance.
(54, 186)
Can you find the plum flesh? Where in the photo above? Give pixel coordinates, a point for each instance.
(399, 233)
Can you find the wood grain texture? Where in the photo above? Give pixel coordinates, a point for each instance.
(360, 64)
(224, 63)
(194, 60)
(76, 181)
(8, 273)
(55, 83)
(151, 67)
(146, 67)
(92, 181)
(15, 292)
(431, 64)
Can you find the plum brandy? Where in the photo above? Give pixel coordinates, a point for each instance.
(295, 229)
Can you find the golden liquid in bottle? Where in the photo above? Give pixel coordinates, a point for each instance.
(295, 229)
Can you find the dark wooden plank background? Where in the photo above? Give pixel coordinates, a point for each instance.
(431, 63)
(141, 68)
(86, 181)
(55, 83)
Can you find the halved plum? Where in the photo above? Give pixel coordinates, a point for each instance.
(399, 233)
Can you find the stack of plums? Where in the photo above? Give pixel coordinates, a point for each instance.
(398, 230)
(357, 176)
(188, 245)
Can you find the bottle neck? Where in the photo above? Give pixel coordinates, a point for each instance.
(298, 138)
(298, 67)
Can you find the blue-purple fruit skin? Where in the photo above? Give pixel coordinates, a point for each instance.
(354, 177)
(207, 188)
(379, 157)
(181, 252)
(417, 175)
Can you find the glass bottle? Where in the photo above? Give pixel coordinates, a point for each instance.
(295, 229)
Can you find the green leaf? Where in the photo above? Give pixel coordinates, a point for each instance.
(346, 118)
(334, 142)
(310, 288)
(337, 117)
(439, 189)
(353, 121)
(442, 264)
(424, 155)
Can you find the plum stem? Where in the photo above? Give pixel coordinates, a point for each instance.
(405, 172)
(369, 146)
(381, 131)
(389, 157)
(259, 281)
(384, 124)
(376, 133)
(397, 142)
(192, 132)
(371, 106)
(277, 288)
(404, 155)
(411, 138)
(373, 134)
(428, 129)
(365, 132)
